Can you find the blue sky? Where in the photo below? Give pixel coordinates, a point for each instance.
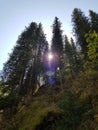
(16, 14)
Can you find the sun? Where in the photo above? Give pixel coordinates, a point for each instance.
(50, 56)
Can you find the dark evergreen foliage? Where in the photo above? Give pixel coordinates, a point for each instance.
(26, 60)
(57, 41)
(72, 58)
(94, 20)
(81, 26)
(71, 112)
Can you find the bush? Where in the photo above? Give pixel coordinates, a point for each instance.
(70, 113)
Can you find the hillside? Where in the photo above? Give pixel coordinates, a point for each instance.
(41, 107)
(74, 108)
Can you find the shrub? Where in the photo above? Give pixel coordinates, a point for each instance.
(70, 113)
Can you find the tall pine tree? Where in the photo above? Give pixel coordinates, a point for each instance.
(81, 26)
(94, 20)
(25, 63)
(57, 41)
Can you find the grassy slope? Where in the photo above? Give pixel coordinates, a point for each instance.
(32, 115)
(86, 86)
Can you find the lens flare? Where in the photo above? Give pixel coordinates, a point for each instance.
(50, 56)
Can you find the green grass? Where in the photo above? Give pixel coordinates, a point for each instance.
(30, 116)
(45, 101)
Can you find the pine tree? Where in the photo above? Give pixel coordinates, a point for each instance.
(25, 63)
(14, 68)
(81, 26)
(77, 63)
(57, 41)
(68, 54)
(72, 60)
(94, 20)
